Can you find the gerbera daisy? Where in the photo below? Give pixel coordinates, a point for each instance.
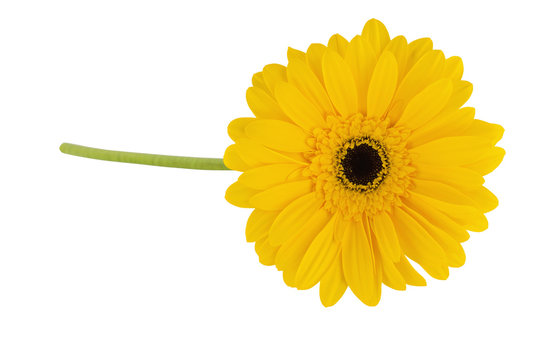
(359, 158)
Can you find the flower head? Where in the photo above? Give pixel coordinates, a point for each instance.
(360, 157)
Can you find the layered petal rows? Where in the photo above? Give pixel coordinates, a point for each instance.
(360, 157)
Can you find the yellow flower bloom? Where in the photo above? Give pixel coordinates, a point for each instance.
(360, 157)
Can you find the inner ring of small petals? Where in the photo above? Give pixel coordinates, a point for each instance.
(362, 164)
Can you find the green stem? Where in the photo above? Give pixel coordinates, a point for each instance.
(146, 159)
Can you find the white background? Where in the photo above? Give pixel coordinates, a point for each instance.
(104, 260)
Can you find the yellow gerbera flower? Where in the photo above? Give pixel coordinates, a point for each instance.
(360, 157)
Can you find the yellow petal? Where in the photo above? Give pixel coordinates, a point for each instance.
(263, 105)
(293, 217)
(488, 162)
(386, 236)
(339, 230)
(426, 71)
(274, 74)
(264, 177)
(452, 175)
(258, 81)
(453, 68)
(448, 124)
(494, 132)
(239, 195)
(440, 191)
(278, 135)
(391, 276)
(437, 271)
(462, 92)
(236, 128)
(333, 284)
(419, 245)
(339, 44)
(398, 47)
(267, 253)
(301, 76)
(293, 54)
(279, 196)
(437, 218)
(453, 250)
(259, 223)
(318, 258)
(467, 216)
(292, 252)
(255, 154)
(314, 55)
(339, 83)
(454, 150)
(428, 103)
(382, 85)
(359, 265)
(484, 199)
(297, 107)
(361, 60)
(417, 49)
(245, 155)
(411, 276)
(232, 159)
(375, 32)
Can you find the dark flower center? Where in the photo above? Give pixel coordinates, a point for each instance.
(362, 164)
